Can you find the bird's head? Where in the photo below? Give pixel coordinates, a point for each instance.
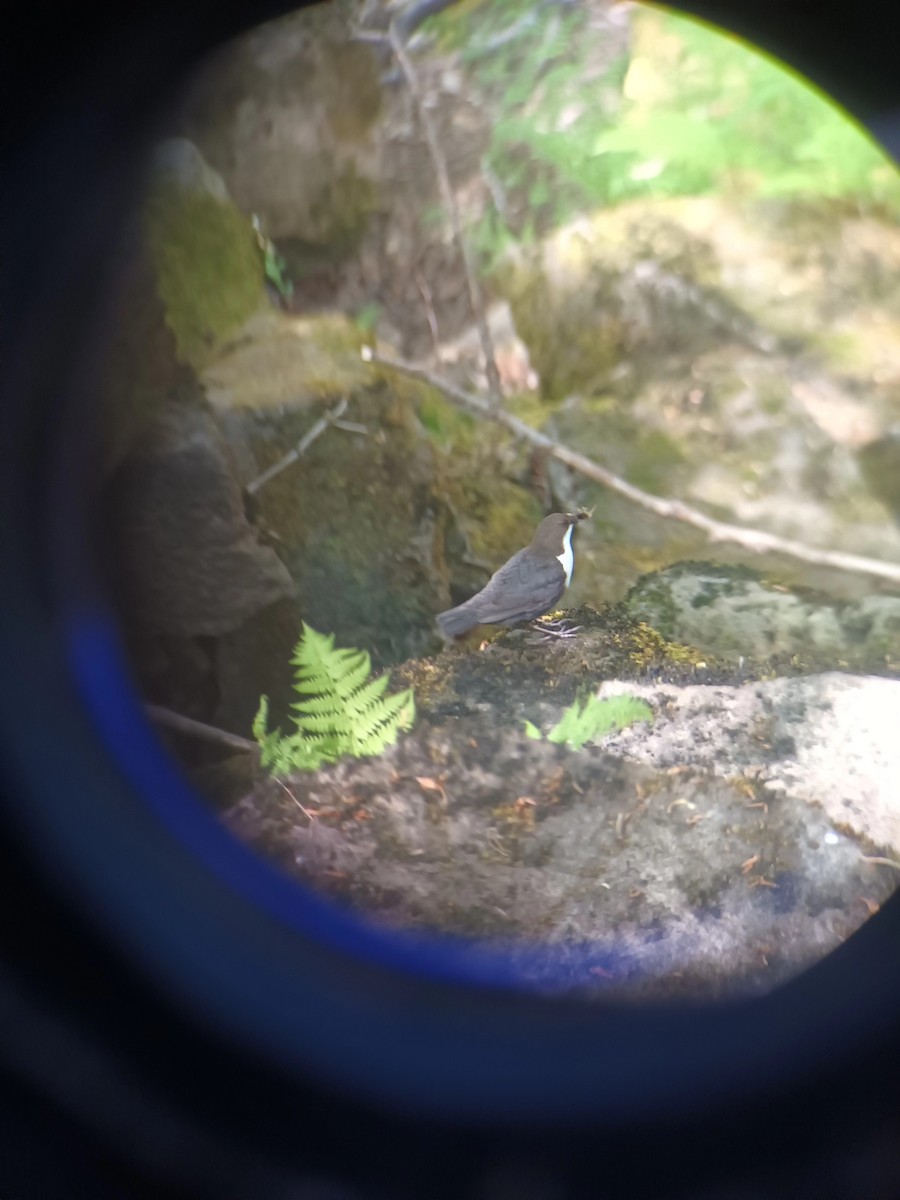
(550, 535)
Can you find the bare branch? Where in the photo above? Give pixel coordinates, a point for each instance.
(350, 426)
(757, 540)
(300, 449)
(878, 861)
(448, 199)
(425, 293)
(369, 37)
(197, 729)
(496, 188)
(412, 17)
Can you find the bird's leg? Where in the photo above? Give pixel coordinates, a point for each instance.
(554, 629)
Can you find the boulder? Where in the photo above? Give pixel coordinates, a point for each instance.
(718, 850)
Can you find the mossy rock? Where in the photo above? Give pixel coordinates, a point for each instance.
(574, 335)
(734, 612)
(209, 270)
(383, 526)
(360, 522)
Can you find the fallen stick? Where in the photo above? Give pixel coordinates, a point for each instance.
(197, 729)
(330, 418)
(757, 540)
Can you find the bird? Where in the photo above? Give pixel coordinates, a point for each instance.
(524, 588)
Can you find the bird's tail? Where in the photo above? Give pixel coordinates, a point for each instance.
(456, 621)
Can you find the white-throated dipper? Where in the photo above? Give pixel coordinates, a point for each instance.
(524, 588)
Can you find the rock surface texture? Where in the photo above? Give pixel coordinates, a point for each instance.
(745, 832)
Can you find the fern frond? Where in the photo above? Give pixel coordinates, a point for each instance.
(261, 720)
(377, 722)
(323, 722)
(365, 698)
(341, 710)
(269, 742)
(593, 719)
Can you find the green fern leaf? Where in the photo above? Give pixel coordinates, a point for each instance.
(588, 721)
(261, 720)
(366, 698)
(384, 723)
(340, 710)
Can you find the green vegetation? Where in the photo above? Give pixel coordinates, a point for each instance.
(591, 719)
(367, 316)
(274, 265)
(342, 710)
(705, 112)
(683, 109)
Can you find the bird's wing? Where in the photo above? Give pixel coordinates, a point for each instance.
(524, 588)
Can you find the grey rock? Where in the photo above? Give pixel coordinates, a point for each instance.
(721, 849)
(187, 561)
(829, 740)
(732, 611)
(179, 161)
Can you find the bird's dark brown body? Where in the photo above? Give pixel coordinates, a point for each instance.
(526, 587)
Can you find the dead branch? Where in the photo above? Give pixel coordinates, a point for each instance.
(412, 17)
(757, 540)
(197, 729)
(309, 816)
(425, 293)
(350, 426)
(878, 861)
(330, 418)
(448, 199)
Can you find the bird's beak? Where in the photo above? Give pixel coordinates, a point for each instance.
(583, 514)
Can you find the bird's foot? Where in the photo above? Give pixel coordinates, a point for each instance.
(555, 630)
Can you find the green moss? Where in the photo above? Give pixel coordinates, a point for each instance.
(341, 212)
(531, 408)
(448, 427)
(880, 463)
(498, 515)
(655, 456)
(290, 361)
(643, 647)
(208, 266)
(584, 340)
(508, 521)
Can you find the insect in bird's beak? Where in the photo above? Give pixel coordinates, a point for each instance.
(583, 514)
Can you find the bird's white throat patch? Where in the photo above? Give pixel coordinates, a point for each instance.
(567, 559)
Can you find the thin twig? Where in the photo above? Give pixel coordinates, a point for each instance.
(425, 293)
(878, 861)
(496, 188)
(207, 733)
(350, 426)
(300, 449)
(370, 37)
(309, 816)
(757, 540)
(448, 200)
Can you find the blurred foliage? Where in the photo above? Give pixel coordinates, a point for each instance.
(366, 317)
(274, 265)
(687, 110)
(704, 112)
